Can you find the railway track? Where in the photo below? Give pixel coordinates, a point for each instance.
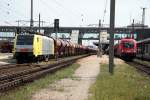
(9, 80)
(141, 66)
(8, 66)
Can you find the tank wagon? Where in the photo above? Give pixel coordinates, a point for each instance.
(36, 47)
(126, 49)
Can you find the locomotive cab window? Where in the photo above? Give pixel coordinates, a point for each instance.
(25, 39)
(128, 45)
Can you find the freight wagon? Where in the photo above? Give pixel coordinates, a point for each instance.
(36, 47)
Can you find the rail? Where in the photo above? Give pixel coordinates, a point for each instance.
(11, 80)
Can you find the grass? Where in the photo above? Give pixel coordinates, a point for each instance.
(125, 84)
(25, 92)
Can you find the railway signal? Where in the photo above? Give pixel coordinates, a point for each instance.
(56, 25)
(18, 30)
(56, 28)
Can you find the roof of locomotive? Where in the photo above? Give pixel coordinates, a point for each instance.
(127, 39)
(26, 34)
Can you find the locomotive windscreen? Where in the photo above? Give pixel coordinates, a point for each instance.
(25, 39)
(128, 45)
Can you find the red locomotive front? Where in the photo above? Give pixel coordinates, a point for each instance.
(126, 49)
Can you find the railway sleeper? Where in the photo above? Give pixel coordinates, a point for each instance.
(34, 75)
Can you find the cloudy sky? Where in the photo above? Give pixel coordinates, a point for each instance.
(73, 12)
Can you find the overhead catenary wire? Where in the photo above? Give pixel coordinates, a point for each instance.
(66, 11)
(48, 7)
(8, 10)
(75, 12)
(105, 11)
(5, 16)
(14, 10)
(11, 10)
(69, 11)
(55, 10)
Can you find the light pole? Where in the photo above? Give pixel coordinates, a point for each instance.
(111, 41)
(99, 46)
(31, 20)
(39, 22)
(143, 16)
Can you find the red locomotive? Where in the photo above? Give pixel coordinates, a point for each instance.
(126, 49)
